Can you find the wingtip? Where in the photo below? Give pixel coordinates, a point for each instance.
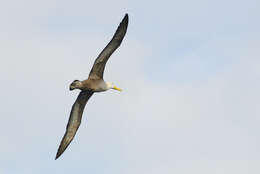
(57, 156)
(59, 152)
(126, 17)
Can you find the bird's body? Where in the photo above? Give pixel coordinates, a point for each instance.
(94, 83)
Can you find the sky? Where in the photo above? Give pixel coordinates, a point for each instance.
(190, 74)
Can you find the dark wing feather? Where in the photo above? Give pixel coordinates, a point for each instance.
(97, 70)
(74, 120)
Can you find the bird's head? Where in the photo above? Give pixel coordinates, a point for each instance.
(76, 84)
(112, 86)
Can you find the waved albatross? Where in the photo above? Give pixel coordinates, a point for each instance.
(94, 83)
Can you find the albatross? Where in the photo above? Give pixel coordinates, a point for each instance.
(94, 83)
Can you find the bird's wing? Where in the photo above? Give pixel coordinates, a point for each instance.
(97, 70)
(74, 120)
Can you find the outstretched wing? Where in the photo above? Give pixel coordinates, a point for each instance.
(97, 70)
(74, 120)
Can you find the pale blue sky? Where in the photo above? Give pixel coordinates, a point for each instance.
(190, 74)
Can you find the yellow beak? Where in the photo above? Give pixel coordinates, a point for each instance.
(116, 88)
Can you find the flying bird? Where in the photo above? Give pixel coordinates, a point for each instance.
(94, 83)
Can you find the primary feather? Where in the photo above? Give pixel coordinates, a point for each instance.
(97, 70)
(74, 120)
